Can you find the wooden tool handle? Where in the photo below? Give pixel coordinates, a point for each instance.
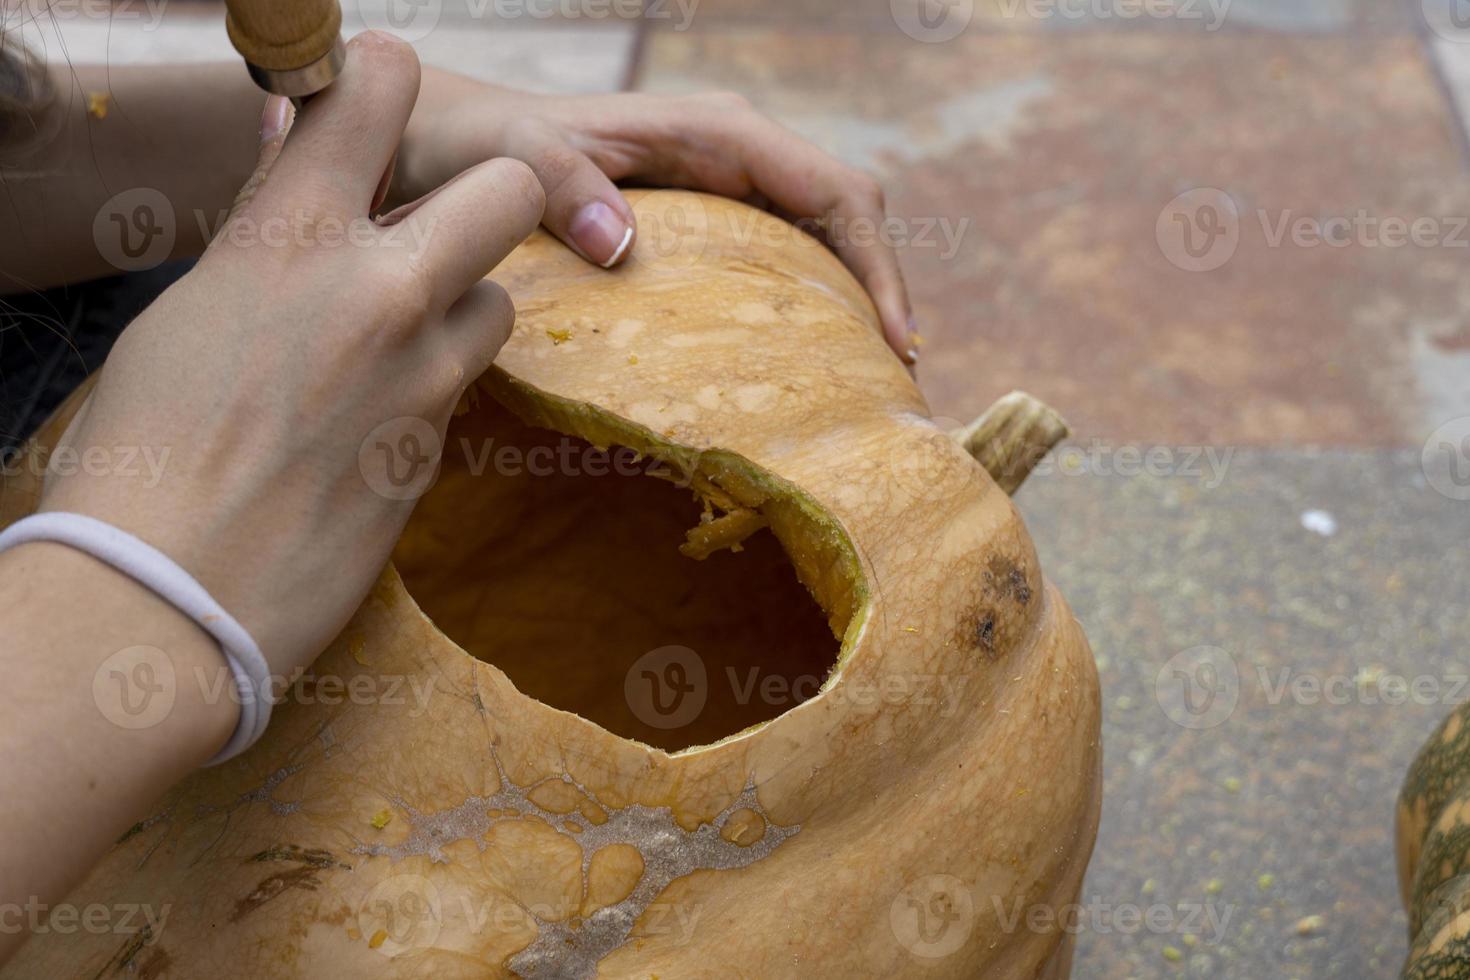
(283, 35)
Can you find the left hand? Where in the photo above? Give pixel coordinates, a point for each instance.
(578, 145)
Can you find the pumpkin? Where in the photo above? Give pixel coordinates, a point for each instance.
(1434, 852)
(781, 693)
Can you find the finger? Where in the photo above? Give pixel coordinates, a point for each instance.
(275, 122)
(583, 208)
(478, 325)
(801, 179)
(343, 140)
(887, 291)
(381, 194)
(876, 266)
(465, 228)
(728, 148)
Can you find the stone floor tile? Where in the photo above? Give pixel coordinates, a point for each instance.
(1271, 803)
(1054, 159)
(935, 19)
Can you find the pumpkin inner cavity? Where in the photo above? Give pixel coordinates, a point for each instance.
(656, 603)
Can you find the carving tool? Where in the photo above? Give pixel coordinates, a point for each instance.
(291, 47)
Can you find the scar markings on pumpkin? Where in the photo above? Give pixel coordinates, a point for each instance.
(143, 825)
(122, 960)
(261, 794)
(1007, 580)
(264, 793)
(156, 965)
(273, 886)
(985, 632)
(308, 861)
(573, 948)
(314, 857)
(1004, 582)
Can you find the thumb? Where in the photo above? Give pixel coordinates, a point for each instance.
(583, 207)
(275, 122)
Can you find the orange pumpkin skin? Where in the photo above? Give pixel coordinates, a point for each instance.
(945, 777)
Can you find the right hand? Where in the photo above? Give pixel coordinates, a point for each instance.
(263, 371)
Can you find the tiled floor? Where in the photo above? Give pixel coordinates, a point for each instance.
(1140, 203)
(1061, 150)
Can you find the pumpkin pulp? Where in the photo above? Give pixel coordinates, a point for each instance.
(586, 559)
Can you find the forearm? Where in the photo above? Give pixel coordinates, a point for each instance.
(91, 737)
(189, 132)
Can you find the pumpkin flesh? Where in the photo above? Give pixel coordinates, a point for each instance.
(564, 579)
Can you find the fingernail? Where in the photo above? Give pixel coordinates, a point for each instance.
(601, 233)
(914, 340)
(275, 117)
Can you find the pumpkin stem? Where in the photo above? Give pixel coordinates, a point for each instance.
(1012, 436)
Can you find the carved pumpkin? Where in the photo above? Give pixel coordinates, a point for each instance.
(804, 706)
(1434, 853)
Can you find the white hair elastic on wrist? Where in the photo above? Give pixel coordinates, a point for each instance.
(158, 572)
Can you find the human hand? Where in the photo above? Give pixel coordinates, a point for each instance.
(305, 326)
(579, 145)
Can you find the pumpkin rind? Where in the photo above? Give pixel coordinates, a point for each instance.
(1433, 836)
(1441, 946)
(751, 356)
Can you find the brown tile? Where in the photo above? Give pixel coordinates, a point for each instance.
(555, 46)
(1062, 151)
(416, 17)
(931, 18)
(553, 59)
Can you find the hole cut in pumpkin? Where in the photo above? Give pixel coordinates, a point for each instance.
(561, 565)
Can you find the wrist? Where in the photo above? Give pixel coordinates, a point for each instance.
(101, 712)
(126, 661)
